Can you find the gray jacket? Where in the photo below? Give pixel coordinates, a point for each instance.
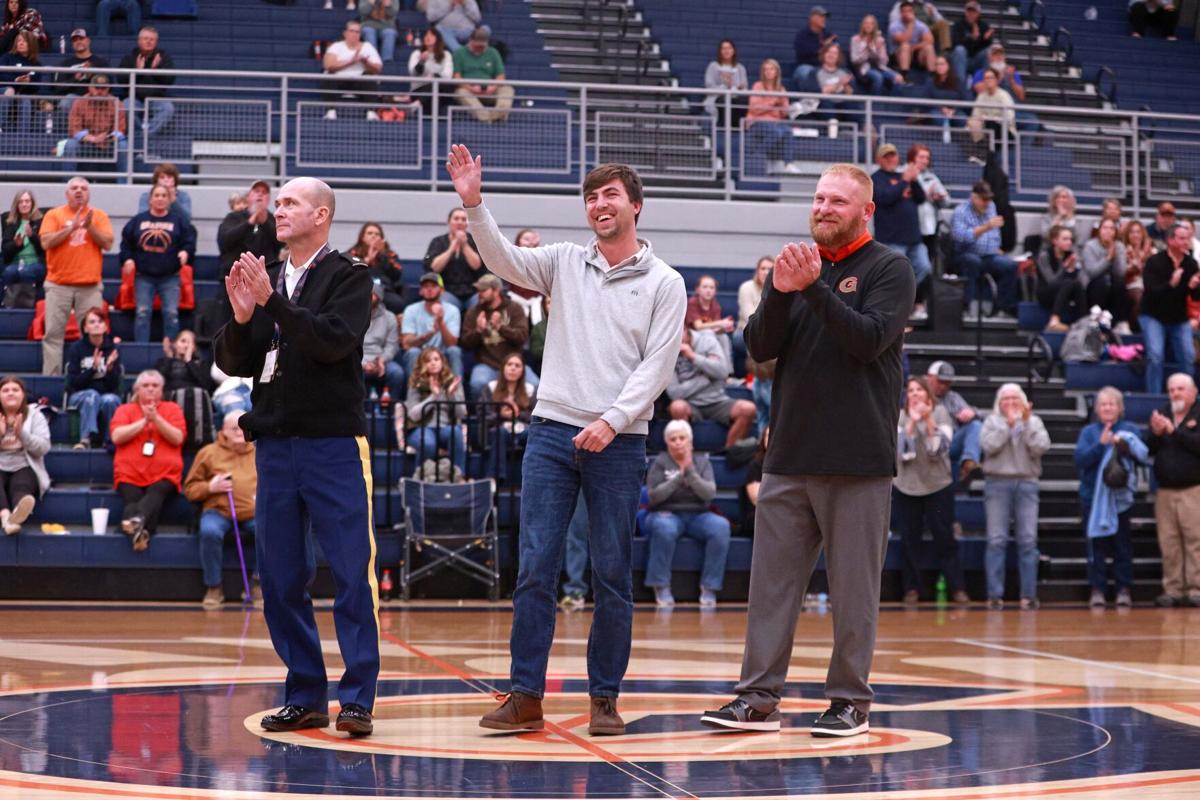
(381, 338)
(1096, 262)
(923, 460)
(701, 382)
(613, 334)
(456, 17)
(1014, 452)
(671, 490)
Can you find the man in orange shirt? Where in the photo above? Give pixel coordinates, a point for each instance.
(74, 237)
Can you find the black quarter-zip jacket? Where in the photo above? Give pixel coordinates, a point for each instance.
(834, 399)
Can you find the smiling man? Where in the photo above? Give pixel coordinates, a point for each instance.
(610, 351)
(834, 316)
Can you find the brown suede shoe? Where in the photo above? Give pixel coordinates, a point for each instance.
(520, 712)
(605, 719)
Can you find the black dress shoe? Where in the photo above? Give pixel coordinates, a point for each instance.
(355, 720)
(293, 718)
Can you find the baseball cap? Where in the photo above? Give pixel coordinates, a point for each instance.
(431, 277)
(487, 282)
(261, 183)
(983, 189)
(79, 33)
(942, 370)
(996, 48)
(886, 149)
(818, 10)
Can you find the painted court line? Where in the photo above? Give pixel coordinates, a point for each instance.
(1087, 662)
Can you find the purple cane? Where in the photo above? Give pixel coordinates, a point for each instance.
(237, 537)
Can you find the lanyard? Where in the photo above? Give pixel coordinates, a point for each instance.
(281, 283)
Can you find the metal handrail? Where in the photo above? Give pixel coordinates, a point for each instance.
(1039, 351)
(1070, 49)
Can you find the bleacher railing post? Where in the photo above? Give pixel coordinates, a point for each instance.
(283, 132)
(435, 113)
(1135, 125)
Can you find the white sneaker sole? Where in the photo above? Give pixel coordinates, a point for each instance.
(718, 722)
(827, 733)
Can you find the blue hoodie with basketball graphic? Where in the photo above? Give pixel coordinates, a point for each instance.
(154, 243)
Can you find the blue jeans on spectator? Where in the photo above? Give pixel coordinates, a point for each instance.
(577, 550)
(374, 36)
(453, 357)
(500, 445)
(1118, 547)
(456, 37)
(392, 378)
(771, 140)
(144, 289)
(1005, 500)
(1000, 267)
(1157, 336)
(76, 148)
(23, 115)
(214, 527)
(964, 66)
(161, 112)
(93, 407)
(663, 529)
(964, 445)
(918, 255)
(804, 78)
(554, 471)
(482, 375)
(761, 392)
(131, 9)
(427, 439)
(33, 273)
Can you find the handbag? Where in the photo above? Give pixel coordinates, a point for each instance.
(1116, 475)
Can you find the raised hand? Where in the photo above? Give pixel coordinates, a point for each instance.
(240, 296)
(467, 174)
(254, 275)
(796, 268)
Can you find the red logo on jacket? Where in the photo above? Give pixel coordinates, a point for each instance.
(848, 286)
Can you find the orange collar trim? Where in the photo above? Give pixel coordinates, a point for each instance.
(846, 251)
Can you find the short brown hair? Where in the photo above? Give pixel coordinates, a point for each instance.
(624, 173)
(165, 168)
(7, 379)
(915, 148)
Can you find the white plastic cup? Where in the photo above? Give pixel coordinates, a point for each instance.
(99, 520)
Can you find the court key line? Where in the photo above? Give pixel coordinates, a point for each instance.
(616, 761)
(1087, 662)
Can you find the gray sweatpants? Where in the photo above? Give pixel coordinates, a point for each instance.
(796, 516)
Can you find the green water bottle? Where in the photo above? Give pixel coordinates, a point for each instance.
(941, 590)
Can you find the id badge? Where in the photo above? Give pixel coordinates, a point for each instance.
(148, 449)
(269, 366)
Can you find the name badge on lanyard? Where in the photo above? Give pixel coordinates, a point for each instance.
(271, 362)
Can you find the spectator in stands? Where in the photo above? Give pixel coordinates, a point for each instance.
(993, 110)
(431, 60)
(18, 16)
(1106, 509)
(380, 345)
(75, 237)
(1060, 280)
(456, 20)
(704, 312)
(749, 294)
(378, 18)
(156, 244)
(932, 18)
(130, 9)
(1164, 218)
(188, 383)
(454, 257)
(697, 388)
(528, 299)
(431, 323)
(833, 80)
(897, 195)
(373, 249)
(227, 465)
(507, 424)
(1014, 439)
(748, 493)
(975, 228)
(923, 490)
(911, 39)
(807, 45)
(937, 196)
(149, 61)
(70, 86)
(16, 101)
(495, 328)
(724, 73)
(94, 377)
(1060, 210)
(167, 174)
(24, 257)
(1159, 15)
(965, 454)
(96, 127)
(1009, 78)
(944, 85)
(250, 229)
(869, 59)
(576, 562)
(148, 462)
(766, 118)
(1109, 209)
(1171, 277)
(479, 61)
(351, 58)
(537, 337)
(970, 38)
(24, 442)
(1174, 441)
(1138, 249)
(1104, 273)
(434, 410)
(681, 487)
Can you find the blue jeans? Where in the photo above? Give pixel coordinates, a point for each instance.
(132, 10)
(804, 78)
(1118, 547)
(964, 445)
(75, 149)
(1005, 500)
(453, 356)
(918, 255)
(33, 273)
(577, 550)
(1157, 336)
(664, 528)
(23, 113)
(144, 289)
(761, 392)
(553, 472)
(500, 445)
(427, 440)
(771, 140)
(92, 405)
(1000, 267)
(964, 66)
(214, 527)
(387, 50)
(161, 112)
(456, 37)
(482, 375)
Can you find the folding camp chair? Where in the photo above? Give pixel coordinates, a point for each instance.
(452, 524)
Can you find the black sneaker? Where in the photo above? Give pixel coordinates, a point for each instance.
(840, 719)
(355, 720)
(741, 716)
